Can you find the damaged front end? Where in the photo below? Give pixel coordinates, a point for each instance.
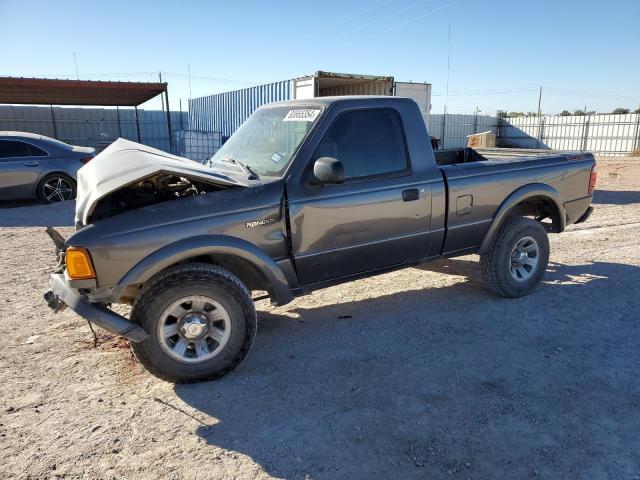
(149, 191)
(62, 294)
(124, 177)
(128, 176)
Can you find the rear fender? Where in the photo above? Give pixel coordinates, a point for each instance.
(518, 196)
(211, 245)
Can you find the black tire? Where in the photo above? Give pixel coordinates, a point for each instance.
(497, 262)
(181, 281)
(45, 192)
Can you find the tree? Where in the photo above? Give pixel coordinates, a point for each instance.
(515, 114)
(579, 113)
(621, 111)
(637, 110)
(565, 113)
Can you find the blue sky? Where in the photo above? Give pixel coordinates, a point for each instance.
(583, 53)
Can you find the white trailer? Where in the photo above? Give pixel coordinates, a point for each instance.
(326, 84)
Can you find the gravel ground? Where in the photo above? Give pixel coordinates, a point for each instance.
(418, 373)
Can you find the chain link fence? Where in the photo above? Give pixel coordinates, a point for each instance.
(197, 145)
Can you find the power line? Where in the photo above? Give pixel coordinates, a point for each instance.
(210, 79)
(498, 90)
(385, 17)
(369, 6)
(475, 93)
(419, 17)
(152, 74)
(579, 93)
(548, 91)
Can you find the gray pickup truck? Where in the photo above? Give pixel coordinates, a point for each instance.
(306, 194)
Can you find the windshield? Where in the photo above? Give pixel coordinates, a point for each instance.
(266, 142)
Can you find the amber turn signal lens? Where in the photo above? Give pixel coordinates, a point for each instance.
(79, 266)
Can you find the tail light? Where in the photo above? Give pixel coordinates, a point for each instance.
(86, 159)
(592, 180)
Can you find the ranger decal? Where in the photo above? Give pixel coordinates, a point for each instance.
(259, 223)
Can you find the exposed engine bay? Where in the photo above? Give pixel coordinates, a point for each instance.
(149, 191)
(128, 176)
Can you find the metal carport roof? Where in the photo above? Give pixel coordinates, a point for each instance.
(46, 91)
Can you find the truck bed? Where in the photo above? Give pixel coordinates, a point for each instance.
(457, 156)
(478, 180)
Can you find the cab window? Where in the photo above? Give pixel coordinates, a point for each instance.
(368, 142)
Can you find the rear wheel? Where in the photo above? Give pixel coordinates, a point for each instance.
(516, 262)
(56, 187)
(201, 323)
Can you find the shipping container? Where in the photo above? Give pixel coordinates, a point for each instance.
(420, 92)
(225, 112)
(327, 84)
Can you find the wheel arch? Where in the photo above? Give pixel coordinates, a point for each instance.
(245, 260)
(45, 174)
(527, 200)
(48, 173)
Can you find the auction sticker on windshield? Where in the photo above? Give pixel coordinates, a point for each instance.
(301, 115)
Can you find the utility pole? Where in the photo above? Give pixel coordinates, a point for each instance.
(161, 97)
(446, 101)
(75, 61)
(475, 119)
(539, 101)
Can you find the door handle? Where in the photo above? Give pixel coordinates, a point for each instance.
(410, 195)
(31, 164)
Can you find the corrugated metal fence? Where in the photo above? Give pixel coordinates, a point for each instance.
(97, 127)
(602, 134)
(225, 112)
(452, 129)
(92, 127)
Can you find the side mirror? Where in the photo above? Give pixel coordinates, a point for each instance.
(328, 170)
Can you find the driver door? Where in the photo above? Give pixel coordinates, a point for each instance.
(379, 217)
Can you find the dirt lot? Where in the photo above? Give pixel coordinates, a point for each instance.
(414, 374)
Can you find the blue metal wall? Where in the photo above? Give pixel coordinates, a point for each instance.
(225, 112)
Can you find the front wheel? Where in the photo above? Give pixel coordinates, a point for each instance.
(201, 323)
(516, 262)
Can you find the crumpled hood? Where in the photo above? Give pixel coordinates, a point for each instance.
(124, 162)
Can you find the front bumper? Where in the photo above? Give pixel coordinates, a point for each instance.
(62, 294)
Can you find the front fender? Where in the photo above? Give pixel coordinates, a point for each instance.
(520, 195)
(207, 245)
